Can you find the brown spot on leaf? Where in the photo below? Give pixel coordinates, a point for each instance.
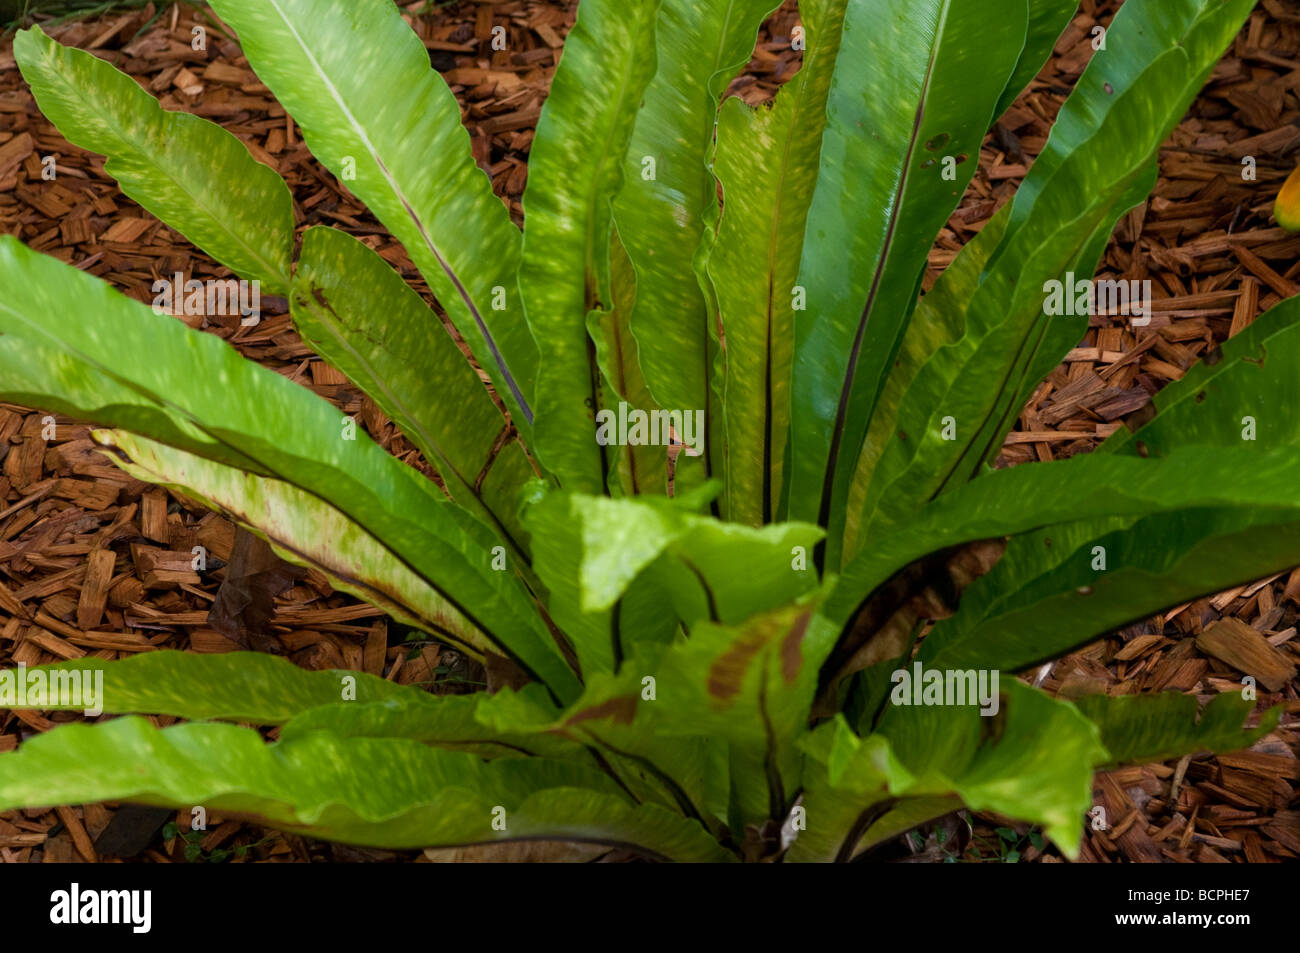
(621, 710)
(727, 672)
(791, 656)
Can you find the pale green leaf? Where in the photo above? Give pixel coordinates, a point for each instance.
(574, 170)
(191, 173)
(358, 81)
(358, 314)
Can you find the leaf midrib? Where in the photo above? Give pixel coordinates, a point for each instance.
(397, 191)
(837, 431)
(171, 408)
(333, 325)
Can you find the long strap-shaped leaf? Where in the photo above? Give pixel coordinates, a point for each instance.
(1065, 583)
(767, 164)
(1046, 345)
(670, 193)
(1059, 587)
(575, 169)
(1243, 397)
(1127, 52)
(639, 468)
(1094, 495)
(1013, 501)
(197, 176)
(1051, 591)
(252, 687)
(358, 80)
(1048, 594)
(188, 171)
(134, 369)
(938, 332)
(914, 91)
(1047, 21)
(359, 315)
(1139, 35)
(306, 530)
(1140, 729)
(504, 725)
(976, 379)
(261, 689)
(381, 792)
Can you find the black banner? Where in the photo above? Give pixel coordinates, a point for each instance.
(503, 903)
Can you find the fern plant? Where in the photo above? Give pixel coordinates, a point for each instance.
(728, 467)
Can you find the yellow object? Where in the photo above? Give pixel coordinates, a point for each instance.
(1287, 207)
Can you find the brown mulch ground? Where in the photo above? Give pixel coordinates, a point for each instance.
(94, 563)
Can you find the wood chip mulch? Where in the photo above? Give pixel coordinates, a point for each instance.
(93, 563)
